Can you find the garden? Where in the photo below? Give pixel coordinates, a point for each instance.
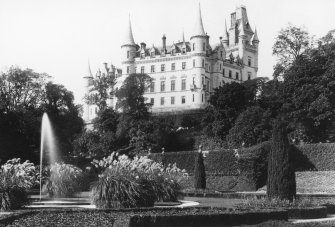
(262, 153)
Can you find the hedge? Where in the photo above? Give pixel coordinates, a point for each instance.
(199, 220)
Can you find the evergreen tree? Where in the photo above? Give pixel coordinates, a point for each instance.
(199, 172)
(281, 177)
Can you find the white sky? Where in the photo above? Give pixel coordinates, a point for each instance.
(59, 36)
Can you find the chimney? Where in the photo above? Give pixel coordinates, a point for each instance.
(143, 45)
(164, 43)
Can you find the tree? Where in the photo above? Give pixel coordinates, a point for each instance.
(199, 171)
(106, 121)
(102, 89)
(251, 127)
(290, 44)
(281, 177)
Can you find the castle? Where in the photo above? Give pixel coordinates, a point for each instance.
(185, 73)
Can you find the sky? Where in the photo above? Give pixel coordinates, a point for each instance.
(58, 37)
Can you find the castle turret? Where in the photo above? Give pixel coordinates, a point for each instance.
(199, 37)
(255, 40)
(128, 51)
(242, 39)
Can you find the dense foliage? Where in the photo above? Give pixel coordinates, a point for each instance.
(63, 181)
(16, 179)
(281, 178)
(136, 182)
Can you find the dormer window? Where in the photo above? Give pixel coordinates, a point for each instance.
(173, 52)
(184, 50)
(152, 54)
(193, 46)
(143, 55)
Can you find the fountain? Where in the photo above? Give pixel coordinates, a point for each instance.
(47, 144)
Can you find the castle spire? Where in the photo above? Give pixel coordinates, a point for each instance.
(225, 32)
(89, 69)
(199, 28)
(183, 37)
(242, 33)
(255, 39)
(129, 39)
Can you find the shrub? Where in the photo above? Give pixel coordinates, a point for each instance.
(135, 182)
(64, 180)
(15, 179)
(281, 178)
(199, 172)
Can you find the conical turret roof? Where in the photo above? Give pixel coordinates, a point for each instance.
(255, 39)
(129, 39)
(225, 32)
(199, 27)
(89, 70)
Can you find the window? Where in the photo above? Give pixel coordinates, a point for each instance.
(173, 66)
(203, 63)
(193, 63)
(135, 69)
(128, 54)
(202, 98)
(230, 72)
(142, 69)
(203, 46)
(206, 67)
(236, 75)
(162, 85)
(202, 80)
(162, 67)
(193, 97)
(220, 67)
(152, 101)
(172, 100)
(221, 54)
(207, 85)
(128, 69)
(184, 51)
(153, 54)
(183, 100)
(223, 72)
(193, 46)
(249, 61)
(183, 84)
(162, 101)
(152, 68)
(173, 85)
(152, 87)
(249, 75)
(183, 65)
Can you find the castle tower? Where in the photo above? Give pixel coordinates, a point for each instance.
(255, 43)
(128, 50)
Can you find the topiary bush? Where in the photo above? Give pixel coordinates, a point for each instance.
(199, 172)
(137, 182)
(64, 180)
(281, 177)
(15, 179)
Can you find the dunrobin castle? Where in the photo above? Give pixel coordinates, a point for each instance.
(185, 73)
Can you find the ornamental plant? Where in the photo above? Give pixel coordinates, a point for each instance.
(137, 182)
(15, 179)
(64, 180)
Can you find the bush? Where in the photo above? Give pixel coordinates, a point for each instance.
(64, 180)
(281, 178)
(139, 182)
(15, 180)
(199, 172)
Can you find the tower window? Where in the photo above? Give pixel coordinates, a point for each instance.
(128, 54)
(162, 101)
(183, 84)
(162, 85)
(203, 63)
(152, 68)
(193, 63)
(173, 85)
(152, 101)
(249, 61)
(183, 100)
(183, 65)
(142, 69)
(236, 76)
(203, 46)
(193, 46)
(220, 67)
(173, 66)
(162, 67)
(230, 72)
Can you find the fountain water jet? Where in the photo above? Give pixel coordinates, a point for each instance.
(47, 143)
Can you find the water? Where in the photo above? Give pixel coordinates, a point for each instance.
(47, 145)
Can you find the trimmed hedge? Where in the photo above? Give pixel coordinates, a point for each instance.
(200, 220)
(307, 212)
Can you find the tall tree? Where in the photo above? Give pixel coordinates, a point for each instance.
(290, 44)
(281, 177)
